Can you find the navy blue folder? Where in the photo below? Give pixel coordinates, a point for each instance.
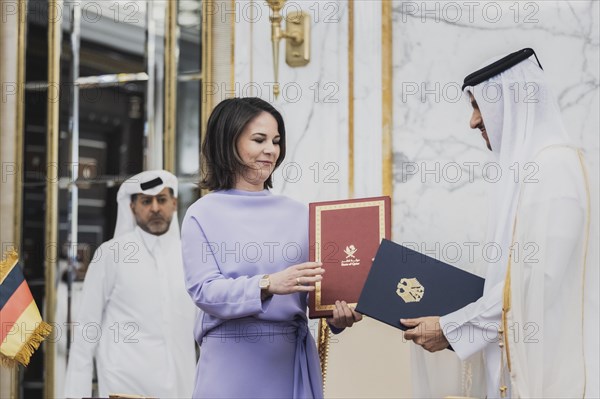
(404, 284)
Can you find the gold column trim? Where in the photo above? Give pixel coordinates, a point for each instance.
(387, 97)
(588, 223)
(207, 61)
(170, 130)
(232, 61)
(51, 234)
(18, 206)
(251, 60)
(350, 98)
(18, 155)
(206, 99)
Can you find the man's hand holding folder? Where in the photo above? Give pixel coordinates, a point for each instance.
(427, 332)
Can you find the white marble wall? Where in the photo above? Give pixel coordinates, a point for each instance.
(436, 44)
(313, 100)
(367, 99)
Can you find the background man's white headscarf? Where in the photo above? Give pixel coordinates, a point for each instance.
(150, 182)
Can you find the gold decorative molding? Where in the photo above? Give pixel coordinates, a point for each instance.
(51, 225)
(206, 99)
(20, 117)
(11, 376)
(232, 48)
(251, 60)
(350, 98)
(387, 97)
(170, 107)
(218, 51)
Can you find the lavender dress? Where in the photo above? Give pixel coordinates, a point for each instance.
(248, 348)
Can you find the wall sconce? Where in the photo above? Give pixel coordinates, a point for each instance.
(297, 49)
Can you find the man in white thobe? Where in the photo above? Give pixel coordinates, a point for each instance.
(136, 319)
(539, 217)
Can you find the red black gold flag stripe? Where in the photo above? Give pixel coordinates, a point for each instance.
(21, 327)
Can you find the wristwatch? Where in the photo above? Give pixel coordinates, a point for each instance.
(264, 283)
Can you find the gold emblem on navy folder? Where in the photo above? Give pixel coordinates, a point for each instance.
(410, 290)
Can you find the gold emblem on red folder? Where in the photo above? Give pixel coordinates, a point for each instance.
(410, 290)
(350, 260)
(350, 250)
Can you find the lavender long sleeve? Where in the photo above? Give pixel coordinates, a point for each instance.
(230, 239)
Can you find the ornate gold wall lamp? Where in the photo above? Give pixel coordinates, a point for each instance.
(297, 49)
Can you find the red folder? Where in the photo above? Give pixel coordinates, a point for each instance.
(345, 236)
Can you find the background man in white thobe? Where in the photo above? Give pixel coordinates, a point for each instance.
(136, 319)
(540, 219)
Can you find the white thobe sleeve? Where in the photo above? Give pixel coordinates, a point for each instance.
(97, 286)
(470, 329)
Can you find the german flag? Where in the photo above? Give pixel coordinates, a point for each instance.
(21, 327)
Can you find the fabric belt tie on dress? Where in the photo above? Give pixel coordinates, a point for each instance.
(306, 365)
(307, 370)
